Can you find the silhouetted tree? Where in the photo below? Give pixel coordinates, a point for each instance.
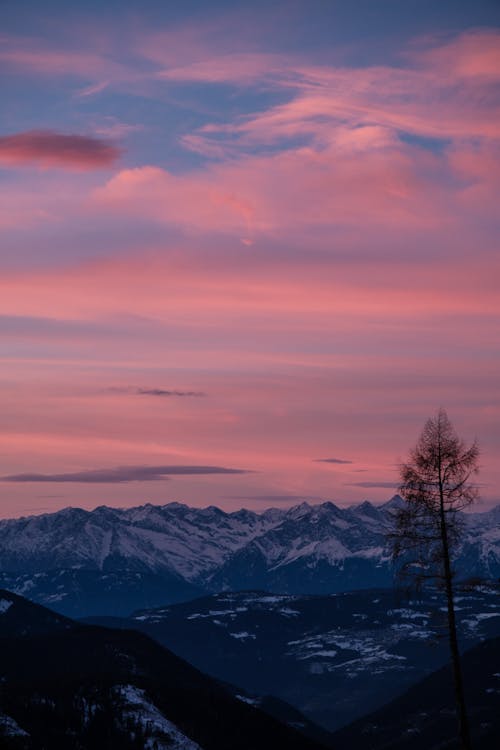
(435, 487)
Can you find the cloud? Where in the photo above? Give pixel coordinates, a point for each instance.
(373, 485)
(122, 474)
(239, 69)
(474, 54)
(345, 149)
(39, 327)
(297, 190)
(96, 88)
(157, 392)
(331, 461)
(429, 97)
(30, 55)
(161, 392)
(52, 149)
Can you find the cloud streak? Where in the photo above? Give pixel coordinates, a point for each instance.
(49, 148)
(162, 393)
(157, 392)
(309, 235)
(121, 474)
(332, 461)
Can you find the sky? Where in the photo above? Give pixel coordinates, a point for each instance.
(246, 249)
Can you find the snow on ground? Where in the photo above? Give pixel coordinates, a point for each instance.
(163, 734)
(371, 650)
(9, 727)
(472, 622)
(486, 615)
(242, 636)
(408, 614)
(5, 604)
(288, 612)
(246, 699)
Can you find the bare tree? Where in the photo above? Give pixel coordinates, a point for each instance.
(436, 486)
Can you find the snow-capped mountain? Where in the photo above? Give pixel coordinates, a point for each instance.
(174, 552)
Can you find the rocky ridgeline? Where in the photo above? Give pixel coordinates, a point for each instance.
(115, 560)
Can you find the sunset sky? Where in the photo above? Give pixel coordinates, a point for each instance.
(247, 248)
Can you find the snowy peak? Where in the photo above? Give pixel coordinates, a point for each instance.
(395, 502)
(299, 511)
(308, 548)
(184, 541)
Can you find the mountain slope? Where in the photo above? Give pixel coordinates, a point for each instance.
(112, 561)
(71, 686)
(424, 717)
(332, 657)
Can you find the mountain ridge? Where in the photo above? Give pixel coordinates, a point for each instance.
(70, 686)
(333, 657)
(176, 552)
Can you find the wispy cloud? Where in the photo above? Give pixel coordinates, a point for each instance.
(50, 148)
(161, 392)
(122, 474)
(365, 196)
(237, 69)
(53, 59)
(157, 392)
(31, 326)
(95, 88)
(332, 461)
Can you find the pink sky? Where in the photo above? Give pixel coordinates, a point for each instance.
(224, 251)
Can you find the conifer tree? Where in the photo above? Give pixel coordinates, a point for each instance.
(435, 486)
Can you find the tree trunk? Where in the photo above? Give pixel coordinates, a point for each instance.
(463, 724)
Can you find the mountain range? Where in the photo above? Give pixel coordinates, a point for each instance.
(68, 686)
(332, 657)
(112, 561)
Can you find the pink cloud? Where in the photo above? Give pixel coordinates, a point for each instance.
(52, 149)
(438, 92)
(321, 294)
(364, 178)
(477, 167)
(355, 170)
(185, 291)
(93, 89)
(422, 104)
(473, 54)
(446, 92)
(277, 422)
(237, 68)
(155, 193)
(30, 56)
(298, 360)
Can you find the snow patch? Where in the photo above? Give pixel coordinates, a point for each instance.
(486, 615)
(5, 604)
(243, 635)
(9, 727)
(246, 699)
(164, 735)
(288, 612)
